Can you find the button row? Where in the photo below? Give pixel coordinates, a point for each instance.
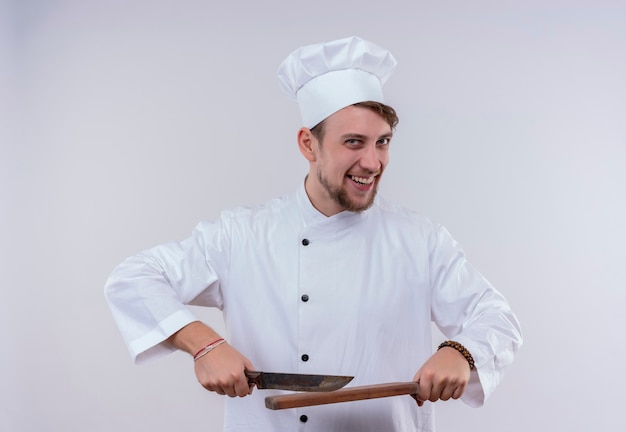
(305, 357)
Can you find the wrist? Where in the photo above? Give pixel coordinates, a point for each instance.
(193, 337)
(208, 348)
(461, 350)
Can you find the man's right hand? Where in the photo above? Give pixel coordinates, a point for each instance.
(222, 371)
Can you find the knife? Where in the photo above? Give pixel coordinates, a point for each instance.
(296, 382)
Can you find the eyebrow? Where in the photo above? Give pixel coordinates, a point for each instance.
(363, 137)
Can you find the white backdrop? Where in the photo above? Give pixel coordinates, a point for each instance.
(124, 123)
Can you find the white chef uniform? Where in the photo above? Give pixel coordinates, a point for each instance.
(351, 294)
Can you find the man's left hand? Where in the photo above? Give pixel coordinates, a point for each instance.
(444, 375)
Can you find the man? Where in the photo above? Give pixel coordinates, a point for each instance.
(328, 280)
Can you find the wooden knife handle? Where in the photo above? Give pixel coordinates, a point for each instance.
(296, 400)
(254, 378)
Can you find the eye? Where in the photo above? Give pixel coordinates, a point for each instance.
(353, 141)
(383, 141)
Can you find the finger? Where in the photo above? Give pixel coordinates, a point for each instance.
(227, 391)
(217, 390)
(241, 387)
(221, 388)
(454, 389)
(445, 388)
(424, 390)
(419, 402)
(418, 379)
(249, 366)
(447, 392)
(206, 385)
(458, 392)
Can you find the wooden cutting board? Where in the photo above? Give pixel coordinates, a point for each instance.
(296, 400)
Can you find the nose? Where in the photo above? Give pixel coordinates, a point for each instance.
(370, 159)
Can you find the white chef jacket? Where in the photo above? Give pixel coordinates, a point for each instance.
(373, 281)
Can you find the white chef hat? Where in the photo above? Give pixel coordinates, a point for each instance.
(326, 77)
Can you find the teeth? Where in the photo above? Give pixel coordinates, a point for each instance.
(363, 180)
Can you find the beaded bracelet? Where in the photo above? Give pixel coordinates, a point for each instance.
(460, 348)
(208, 348)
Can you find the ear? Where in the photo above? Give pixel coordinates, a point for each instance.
(306, 143)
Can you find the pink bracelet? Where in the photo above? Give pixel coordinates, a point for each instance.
(205, 349)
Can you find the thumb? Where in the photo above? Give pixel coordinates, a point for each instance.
(417, 378)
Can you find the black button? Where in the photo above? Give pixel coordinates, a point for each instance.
(305, 357)
(305, 298)
(305, 242)
(303, 418)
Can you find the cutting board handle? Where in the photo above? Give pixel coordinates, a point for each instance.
(297, 400)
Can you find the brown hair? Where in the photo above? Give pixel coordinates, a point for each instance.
(385, 111)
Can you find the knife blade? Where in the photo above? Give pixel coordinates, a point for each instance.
(296, 382)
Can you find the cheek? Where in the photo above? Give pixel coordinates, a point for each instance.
(384, 159)
(340, 165)
(331, 170)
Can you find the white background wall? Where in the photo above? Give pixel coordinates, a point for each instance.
(124, 123)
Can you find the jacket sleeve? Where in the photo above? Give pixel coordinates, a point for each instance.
(148, 293)
(468, 309)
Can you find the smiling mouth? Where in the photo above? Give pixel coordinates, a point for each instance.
(362, 180)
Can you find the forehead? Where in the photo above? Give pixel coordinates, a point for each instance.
(358, 120)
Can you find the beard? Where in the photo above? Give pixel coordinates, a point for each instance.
(340, 195)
